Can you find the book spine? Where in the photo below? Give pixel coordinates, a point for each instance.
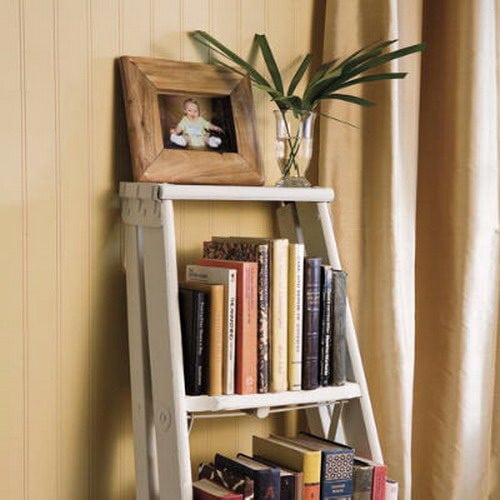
(362, 482)
(279, 315)
(391, 491)
(246, 337)
(379, 482)
(325, 333)
(263, 319)
(230, 343)
(193, 311)
(215, 343)
(337, 472)
(295, 315)
(339, 349)
(310, 346)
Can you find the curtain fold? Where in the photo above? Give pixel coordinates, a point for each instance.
(433, 243)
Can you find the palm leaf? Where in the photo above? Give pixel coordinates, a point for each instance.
(351, 98)
(378, 61)
(299, 74)
(372, 78)
(365, 56)
(365, 53)
(209, 41)
(270, 61)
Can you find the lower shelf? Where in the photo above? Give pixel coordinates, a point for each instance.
(196, 404)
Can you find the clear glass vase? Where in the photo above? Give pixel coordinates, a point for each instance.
(294, 146)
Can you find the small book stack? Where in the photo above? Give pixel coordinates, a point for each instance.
(291, 468)
(258, 315)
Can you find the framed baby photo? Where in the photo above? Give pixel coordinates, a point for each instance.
(190, 123)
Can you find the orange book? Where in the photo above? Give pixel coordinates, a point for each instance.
(246, 321)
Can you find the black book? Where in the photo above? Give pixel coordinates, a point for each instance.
(325, 331)
(266, 479)
(193, 308)
(288, 479)
(311, 315)
(339, 284)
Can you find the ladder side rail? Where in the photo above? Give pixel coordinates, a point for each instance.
(140, 374)
(170, 417)
(358, 421)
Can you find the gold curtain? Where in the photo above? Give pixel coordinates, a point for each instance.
(416, 220)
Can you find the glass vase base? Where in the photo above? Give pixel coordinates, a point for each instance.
(293, 182)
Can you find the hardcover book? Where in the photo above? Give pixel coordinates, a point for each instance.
(310, 346)
(325, 332)
(291, 481)
(379, 477)
(246, 322)
(204, 489)
(238, 249)
(294, 456)
(193, 307)
(266, 479)
(231, 480)
(215, 332)
(226, 277)
(391, 490)
(339, 283)
(296, 256)
(362, 481)
(336, 465)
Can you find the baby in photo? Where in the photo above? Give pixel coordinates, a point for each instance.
(194, 130)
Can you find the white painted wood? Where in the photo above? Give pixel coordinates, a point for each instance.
(149, 191)
(271, 399)
(358, 421)
(140, 375)
(160, 273)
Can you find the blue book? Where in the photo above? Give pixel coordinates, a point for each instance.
(337, 466)
(266, 479)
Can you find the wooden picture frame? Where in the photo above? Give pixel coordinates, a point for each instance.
(148, 83)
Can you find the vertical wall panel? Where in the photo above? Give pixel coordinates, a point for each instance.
(74, 140)
(43, 326)
(12, 384)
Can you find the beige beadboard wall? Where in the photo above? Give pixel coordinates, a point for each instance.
(65, 419)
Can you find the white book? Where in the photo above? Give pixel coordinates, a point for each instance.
(296, 256)
(226, 277)
(391, 489)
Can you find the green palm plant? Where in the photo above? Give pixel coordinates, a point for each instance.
(326, 83)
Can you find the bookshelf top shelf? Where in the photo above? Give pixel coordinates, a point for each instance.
(152, 191)
(195, 404)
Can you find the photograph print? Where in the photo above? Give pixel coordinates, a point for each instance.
(197, 123)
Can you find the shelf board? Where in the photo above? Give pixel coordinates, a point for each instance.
(151, 191)
(195, 404)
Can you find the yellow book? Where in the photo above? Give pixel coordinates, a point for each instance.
(293, 456)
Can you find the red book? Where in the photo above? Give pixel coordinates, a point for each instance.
(204, 489)
(246, 321)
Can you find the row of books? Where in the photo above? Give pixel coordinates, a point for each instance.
(257, 315)
(293, 468)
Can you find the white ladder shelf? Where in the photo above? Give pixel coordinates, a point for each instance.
(161, 409)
